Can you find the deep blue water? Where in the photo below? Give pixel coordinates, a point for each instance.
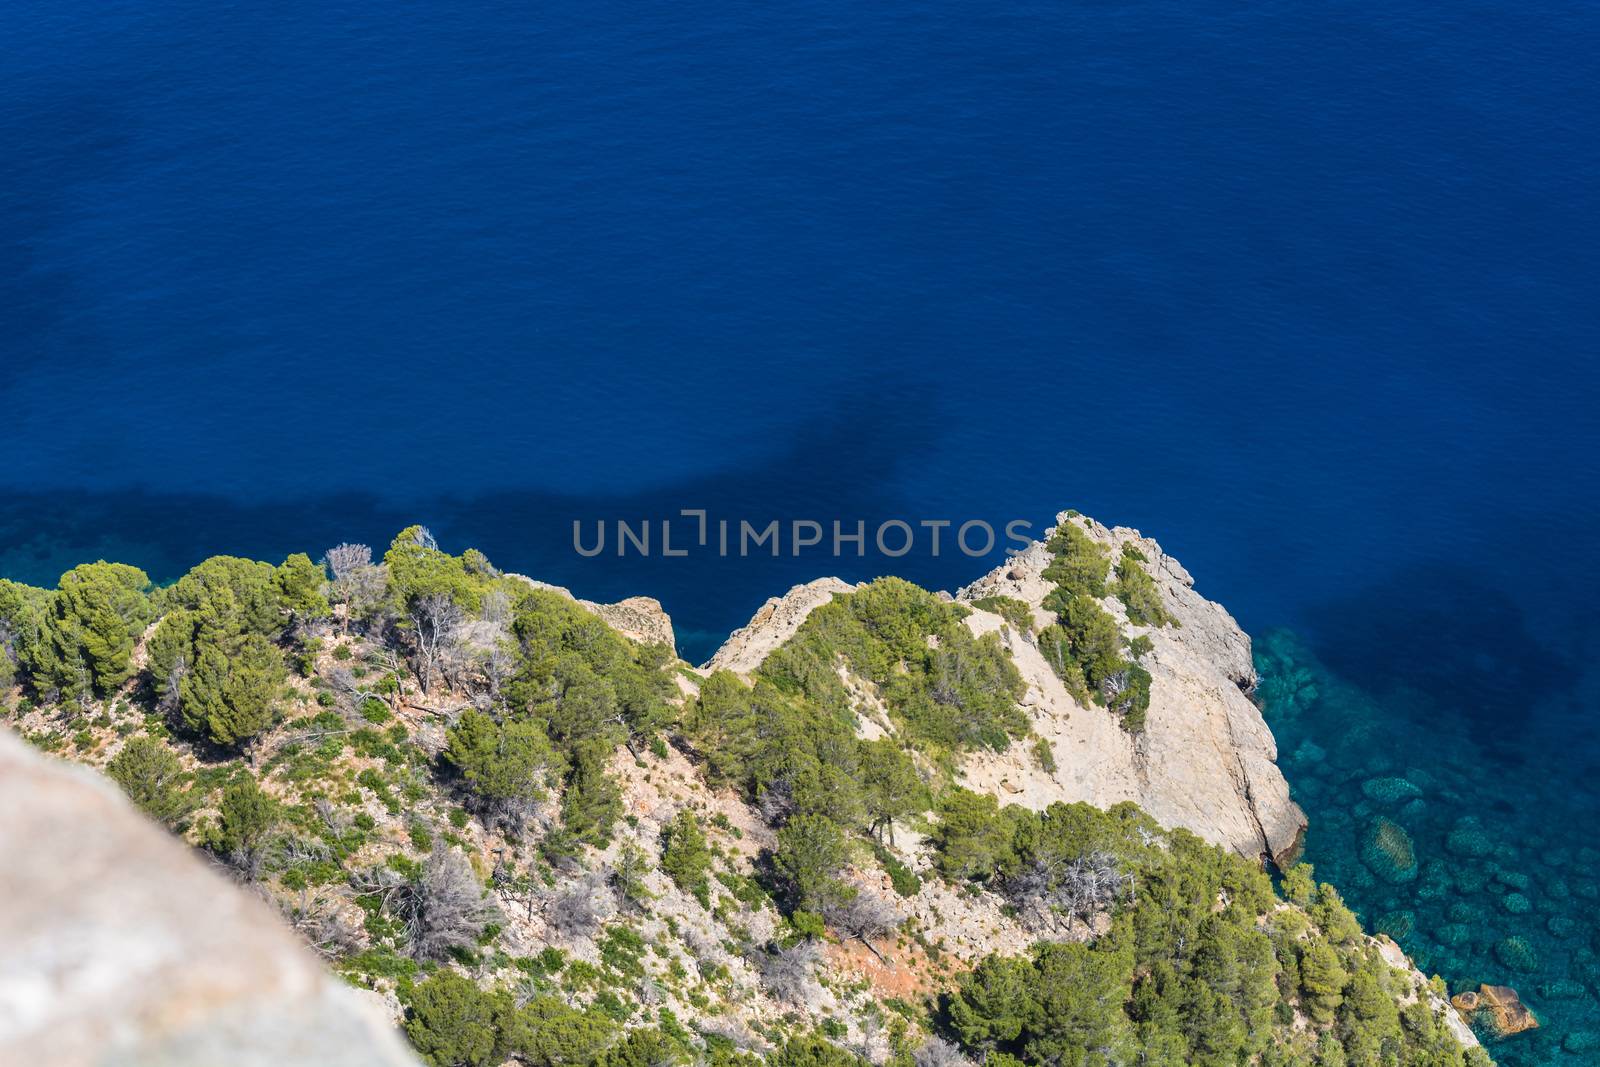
(1308, 291)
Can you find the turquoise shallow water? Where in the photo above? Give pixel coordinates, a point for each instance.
(1447, 830)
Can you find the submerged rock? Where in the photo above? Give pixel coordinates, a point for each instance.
(1286, 687)
(1513, 879)
(1580, 1041)
(1387, 851)
(1561, 926)
(1435, 884)
(1562, 989)
(1389, 792)
(1515, 954)
(1309, 752)
(1397, 924)
(1468, 839)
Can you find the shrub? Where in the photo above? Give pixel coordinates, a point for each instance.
(1016, 612)
(646, 1047)
(685, 855)
(811, 852)
(453, 1023)
(549, 1033)
(1090, 654)
(247, 818)
(375, 711)
(149, 772)
(1079, 564)
(902, 878)
(1138, 592)
(813, 1052)
(504, 766)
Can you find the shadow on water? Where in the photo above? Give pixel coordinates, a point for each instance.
(833, 469)
(1442, 631)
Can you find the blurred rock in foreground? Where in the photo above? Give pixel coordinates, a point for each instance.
(118, 946)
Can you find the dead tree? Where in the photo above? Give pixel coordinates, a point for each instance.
(1080, 888)
(358, 583)
(172, 685)
(864, 917)
(787, 972)
(323, 924)
(496, 665)
(435, 621)
(936, 1052)
(579, 910)
(441, 908)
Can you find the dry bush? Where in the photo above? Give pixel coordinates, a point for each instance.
(1080, 888)
(864, 916)
(937, 1052)
(788, 972)
(442, 908)
(582, 908)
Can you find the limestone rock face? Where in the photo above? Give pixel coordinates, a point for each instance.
(641, 618)
(1205, 760)
(1454, 1021)
(118, 946)
(638, 618)
(772, 625)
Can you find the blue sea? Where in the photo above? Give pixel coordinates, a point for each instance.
(1307, 291)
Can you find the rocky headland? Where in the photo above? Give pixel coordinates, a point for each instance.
(116, 945)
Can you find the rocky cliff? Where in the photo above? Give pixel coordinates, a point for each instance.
(118, 946)
(1205, 759)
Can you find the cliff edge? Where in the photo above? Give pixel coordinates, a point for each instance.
(1205, 759)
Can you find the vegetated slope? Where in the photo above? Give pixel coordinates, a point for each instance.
(547, 842)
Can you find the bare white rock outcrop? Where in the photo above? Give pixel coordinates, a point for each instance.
(772, 625)
(118, 946)
(1205, 760)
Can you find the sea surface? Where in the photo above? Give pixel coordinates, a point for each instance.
(1307, 291)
